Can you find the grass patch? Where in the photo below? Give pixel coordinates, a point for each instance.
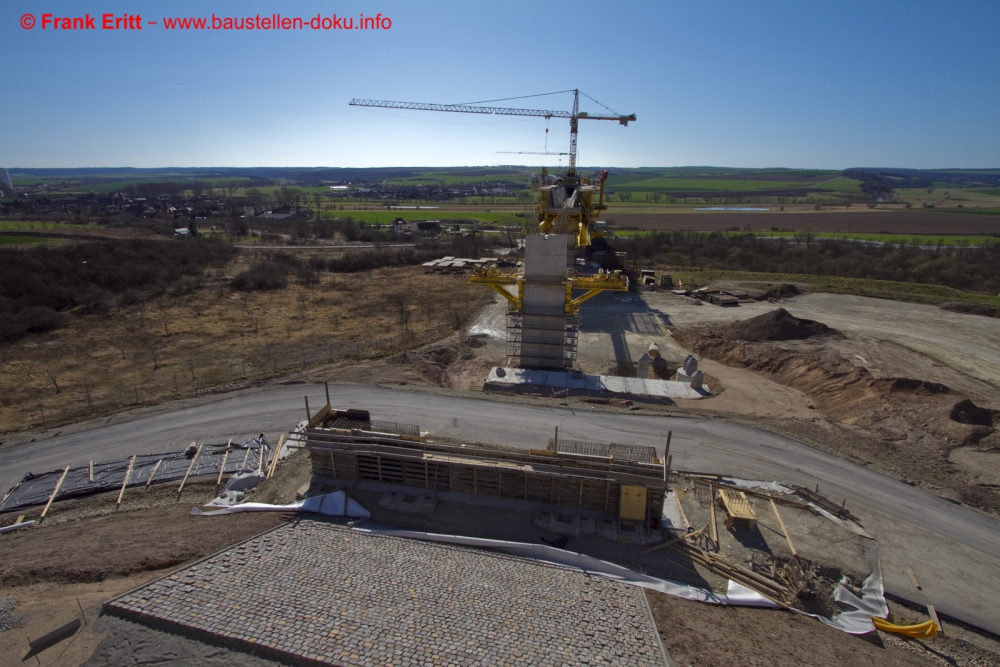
(882, 289)
(11, 240)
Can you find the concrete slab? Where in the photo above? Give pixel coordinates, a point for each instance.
(515, 379)
(313, 592)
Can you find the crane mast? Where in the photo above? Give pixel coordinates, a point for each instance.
(542, 310)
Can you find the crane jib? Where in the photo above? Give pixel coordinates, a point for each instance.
(504, 111)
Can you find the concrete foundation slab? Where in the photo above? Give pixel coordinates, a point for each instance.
(517, 379)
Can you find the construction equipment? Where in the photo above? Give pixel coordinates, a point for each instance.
(542, 322)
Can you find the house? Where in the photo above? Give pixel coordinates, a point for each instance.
(403, 226)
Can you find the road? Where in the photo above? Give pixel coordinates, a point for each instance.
(954, 552)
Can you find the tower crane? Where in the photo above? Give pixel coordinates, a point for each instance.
(574, 116)
(543, 312)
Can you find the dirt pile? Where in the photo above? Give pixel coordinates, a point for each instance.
(776, 325)
(906, 427)
(449, 363)
(971, 308)
(783, 291)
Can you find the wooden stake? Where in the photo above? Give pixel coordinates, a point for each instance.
(308, 412)
(54, 492)
(932, 612)
(277, 453)
(555, 442)
(260, 459)
(715, 524)
(90, 474)
(188, 473)
(326, 387)
(675, 540)
(153, 474)
(687, 524)
(666, 450)
(913, 578)
(128, 474)
(222, 468)
(246, 455)
(788, 537)
(20, 519)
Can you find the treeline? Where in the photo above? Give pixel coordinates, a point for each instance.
(38, 284)
(968, 268)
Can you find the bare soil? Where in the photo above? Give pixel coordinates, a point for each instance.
(857, 220)
(909, 424)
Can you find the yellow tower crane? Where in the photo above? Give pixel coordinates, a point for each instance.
(565, 206)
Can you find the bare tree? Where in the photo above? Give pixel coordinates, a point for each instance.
(120, 341)
(88, 389)
(53, 375)
(400, 301)
(152, 345)
(253, 317)
(191, 364)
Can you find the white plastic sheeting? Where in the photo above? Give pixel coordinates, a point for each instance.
(330, 504)
(736, 595)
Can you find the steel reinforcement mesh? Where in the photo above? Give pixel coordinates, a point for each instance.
(375, 425)
(634, 453)
(35, 489)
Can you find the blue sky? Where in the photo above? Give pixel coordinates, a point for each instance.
(742, 84)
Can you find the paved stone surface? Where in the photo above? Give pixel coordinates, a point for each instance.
(315, 591)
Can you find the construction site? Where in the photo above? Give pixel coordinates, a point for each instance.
(591, 470)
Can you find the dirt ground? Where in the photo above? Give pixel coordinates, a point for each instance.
(860, 220)
(89, 552)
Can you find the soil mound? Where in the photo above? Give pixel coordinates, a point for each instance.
(784, 291)
(910, 387)
(971, 308)
(778, 324)
(967, 412)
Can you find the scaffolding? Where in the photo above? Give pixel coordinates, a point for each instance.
(542, 340)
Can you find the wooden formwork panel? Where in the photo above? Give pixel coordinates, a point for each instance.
(436, 475)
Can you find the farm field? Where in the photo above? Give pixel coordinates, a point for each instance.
(867, 222)
(934, 239)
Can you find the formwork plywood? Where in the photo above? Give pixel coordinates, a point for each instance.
(633, 503)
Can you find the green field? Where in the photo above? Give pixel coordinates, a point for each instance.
(840, 184)
(663, 184)
(384, 217)
(884, 289)
(11, 240)
(18, 226)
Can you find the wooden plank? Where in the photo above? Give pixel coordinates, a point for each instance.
(277, 453)
(686, 536)
(153, 474)
(932, 612)
(190, 468)
(913, 578)
(20, 519)
(90, 473)
(128, 475)
(54, 492)
(260, 459)
(680, 507)
(222, 468)
(788, 537)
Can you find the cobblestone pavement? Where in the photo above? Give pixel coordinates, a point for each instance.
(316, 591)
